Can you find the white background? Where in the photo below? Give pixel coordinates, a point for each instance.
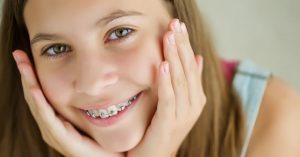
(264, 31)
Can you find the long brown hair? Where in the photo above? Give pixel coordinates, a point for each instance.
(218, 132)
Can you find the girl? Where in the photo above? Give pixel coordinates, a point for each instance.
(132, 78)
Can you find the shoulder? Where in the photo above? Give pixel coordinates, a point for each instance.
(276, 132)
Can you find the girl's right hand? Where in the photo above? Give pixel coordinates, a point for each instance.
(56, 131)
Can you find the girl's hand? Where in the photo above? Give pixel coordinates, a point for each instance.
(56, 131)
(180, 97)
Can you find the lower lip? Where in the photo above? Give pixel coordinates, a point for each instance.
(114, 119)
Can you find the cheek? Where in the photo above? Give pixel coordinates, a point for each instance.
(54, 86)
(141, 61)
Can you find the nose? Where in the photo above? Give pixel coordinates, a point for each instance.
(94, 75)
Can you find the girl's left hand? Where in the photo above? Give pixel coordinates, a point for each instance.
(180, 97)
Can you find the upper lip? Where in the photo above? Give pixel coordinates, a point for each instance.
(104, 104)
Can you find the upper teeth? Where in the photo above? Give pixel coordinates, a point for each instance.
(111, 110)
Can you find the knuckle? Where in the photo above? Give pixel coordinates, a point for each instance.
(180, 82)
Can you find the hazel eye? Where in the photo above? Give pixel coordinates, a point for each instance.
(56, 49)
(119, 33)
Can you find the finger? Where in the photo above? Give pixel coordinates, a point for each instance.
(45, 112)
(178, 79)
(25, 67)
(187, 58)
(199, 60)
(28, 81)
(27, 97)
(41, 110)
(165, 114)
(53, 129)
(184, 47)
(59, 132)
(166, 97)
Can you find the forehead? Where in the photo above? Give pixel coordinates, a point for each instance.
(49, 14)
(70, 5)
(57, 7)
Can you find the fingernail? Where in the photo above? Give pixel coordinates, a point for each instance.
(177, 26)
(171, 39)
(16, 57)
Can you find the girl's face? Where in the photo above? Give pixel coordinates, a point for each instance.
(90, 55)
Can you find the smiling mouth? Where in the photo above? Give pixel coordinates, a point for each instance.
(112, 110)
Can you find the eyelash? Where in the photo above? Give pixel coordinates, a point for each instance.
(119, 39)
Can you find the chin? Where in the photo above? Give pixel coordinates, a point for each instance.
(121, 143)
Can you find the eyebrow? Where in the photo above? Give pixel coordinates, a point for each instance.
(103, 21)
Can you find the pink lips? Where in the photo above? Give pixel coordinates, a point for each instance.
(114, 119)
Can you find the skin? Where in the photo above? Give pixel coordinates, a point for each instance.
(55, 88)
(156, 59)
(276, 132)
(95, 71)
